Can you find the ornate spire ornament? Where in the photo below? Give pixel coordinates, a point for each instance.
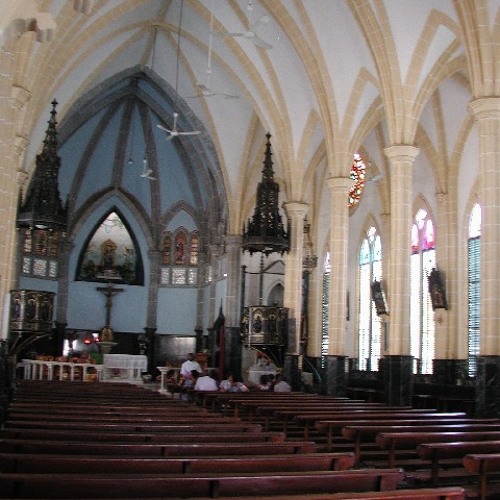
(265, 232)
(43, 208)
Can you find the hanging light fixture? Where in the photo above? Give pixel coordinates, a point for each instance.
(43, 208)
(265, 231)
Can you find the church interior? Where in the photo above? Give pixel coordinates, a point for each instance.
(314, 183)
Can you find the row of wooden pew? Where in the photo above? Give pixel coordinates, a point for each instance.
(77, 440)
(434, 448)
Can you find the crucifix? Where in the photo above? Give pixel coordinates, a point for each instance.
(109, 292)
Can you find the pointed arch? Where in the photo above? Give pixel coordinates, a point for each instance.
(111, 252)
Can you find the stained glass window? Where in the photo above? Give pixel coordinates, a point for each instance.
(180, 248)
(422, 262)
(166, 249)
(358, 174)
(193, 253)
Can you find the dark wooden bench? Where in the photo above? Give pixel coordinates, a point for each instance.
(392, 441)
(450, 454)
(154, 450)
(301, 415)
(484, 464)
(206, 426)
(444, 493)
(334, 427)
(44, 463)
(143, 437)
(69, 486)
(363, 433)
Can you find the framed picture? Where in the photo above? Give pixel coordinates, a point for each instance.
(437, 290)
(379, 298)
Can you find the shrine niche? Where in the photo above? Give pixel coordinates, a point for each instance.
(111, 254)
(265, 329)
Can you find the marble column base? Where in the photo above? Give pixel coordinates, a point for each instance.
(488, 387)
(232, 351)
(449, 371)
(291, 372)
(396, 373)
(335, 375)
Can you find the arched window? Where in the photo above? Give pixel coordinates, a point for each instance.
(325, 298)
(111, 254)
(474, 286)
(179, 257)
(369, 323)
(423, 261)
(166, 249)
(358, 173)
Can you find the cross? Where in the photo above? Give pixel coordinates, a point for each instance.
(109, 291)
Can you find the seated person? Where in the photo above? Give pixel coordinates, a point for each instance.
(207, 382)
(231, 384)
(281, 385)
(264, 383)
(187, 384)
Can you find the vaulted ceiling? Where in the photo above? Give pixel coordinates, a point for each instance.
(338, 76)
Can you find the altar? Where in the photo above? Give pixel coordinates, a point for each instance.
(124, 367)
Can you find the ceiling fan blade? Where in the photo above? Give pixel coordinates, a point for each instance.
(193, 132)
(257, 40)
(164, 128)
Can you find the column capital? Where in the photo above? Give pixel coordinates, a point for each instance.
(296, 208)
(339, 184)
(485, 107)
(403, 152)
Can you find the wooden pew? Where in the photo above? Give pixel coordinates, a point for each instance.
(175, 419)
(154, 450)
(217, 485)
(205, 426)
(365, 433)
(446, 493)
(453, 453)
(392, 441)
(328, 423)
(484, 464)
(143, 437)
(334, 427)
(44, 463)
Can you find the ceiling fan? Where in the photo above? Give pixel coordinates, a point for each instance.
(147, 173)
(204, 90)
(251, 33)
(174, 132)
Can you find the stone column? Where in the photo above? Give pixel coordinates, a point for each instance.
(296, 212)
(397, 372)
(335, 373)
(487, 114)
(232, 313)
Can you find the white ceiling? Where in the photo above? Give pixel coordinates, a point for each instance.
(341, 76)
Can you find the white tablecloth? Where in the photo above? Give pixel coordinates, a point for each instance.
(126, 361)
(124, 367)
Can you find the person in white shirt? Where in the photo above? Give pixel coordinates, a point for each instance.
(206, 382)
(189, 365)
(280, 385)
